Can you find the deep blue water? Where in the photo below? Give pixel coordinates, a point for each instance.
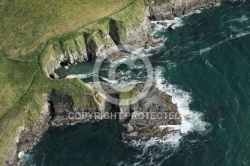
(206, 63)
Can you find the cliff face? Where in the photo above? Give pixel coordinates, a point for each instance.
(60, 111)
(177, 8)
(126, 30)
(26, 138)
(108, 35)
(145, 117)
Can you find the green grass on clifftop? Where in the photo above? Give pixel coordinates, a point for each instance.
(26, 24)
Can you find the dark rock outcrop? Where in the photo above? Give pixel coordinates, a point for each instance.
(29, 137)
(154, 110)
(146, 116)
(151, 42)
(150, 107)
(179, 8)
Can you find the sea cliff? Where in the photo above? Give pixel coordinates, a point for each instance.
(125, 31)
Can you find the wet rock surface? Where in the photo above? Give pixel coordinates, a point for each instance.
(179, 8)
(154, 110)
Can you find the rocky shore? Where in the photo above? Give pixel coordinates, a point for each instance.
(60, 111)
(118, 40)
(154, 111)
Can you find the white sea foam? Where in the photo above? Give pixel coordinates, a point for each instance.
(109, 81)
(233, 29)
(217, 4)
(139, 53)
(177, 21)
(243, 18)
(172, 127)
(190, 120)
(169, 140)
(25, 159)
(209, 64)
(164, 24)
(240, 34)
(81, 76)
(197, 11)
(156, 150)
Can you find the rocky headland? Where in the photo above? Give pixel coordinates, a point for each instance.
(117, 36)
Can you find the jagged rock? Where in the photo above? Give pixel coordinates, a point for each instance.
(154, 102)
(151, 42)
(117, 56)
(168, 16)
(158, 103)
(117, 31)
(178, 12)
(153, 25)
(158, 16)
(137, 36)
(179, 8)
(29, 137)
(62, 107)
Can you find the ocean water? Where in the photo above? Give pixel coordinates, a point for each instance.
(205, 62)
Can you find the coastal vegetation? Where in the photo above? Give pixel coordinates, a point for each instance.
(27, 29)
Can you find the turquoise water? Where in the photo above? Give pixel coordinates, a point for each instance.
(206, 63)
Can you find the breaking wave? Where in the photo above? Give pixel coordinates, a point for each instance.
(190, 120)
(156, 150)
(25, 159)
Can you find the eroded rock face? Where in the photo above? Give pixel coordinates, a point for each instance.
(178, 8)
(28, 138)
(56, 113)
(144, 117)
(87, 46)
(156, 109)
(63, 111)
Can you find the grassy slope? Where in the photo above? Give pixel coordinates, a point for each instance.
(93, 33)
(26, 24)
(21, 97)
(25, 27)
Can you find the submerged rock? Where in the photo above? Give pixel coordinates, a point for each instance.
(151, 42)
